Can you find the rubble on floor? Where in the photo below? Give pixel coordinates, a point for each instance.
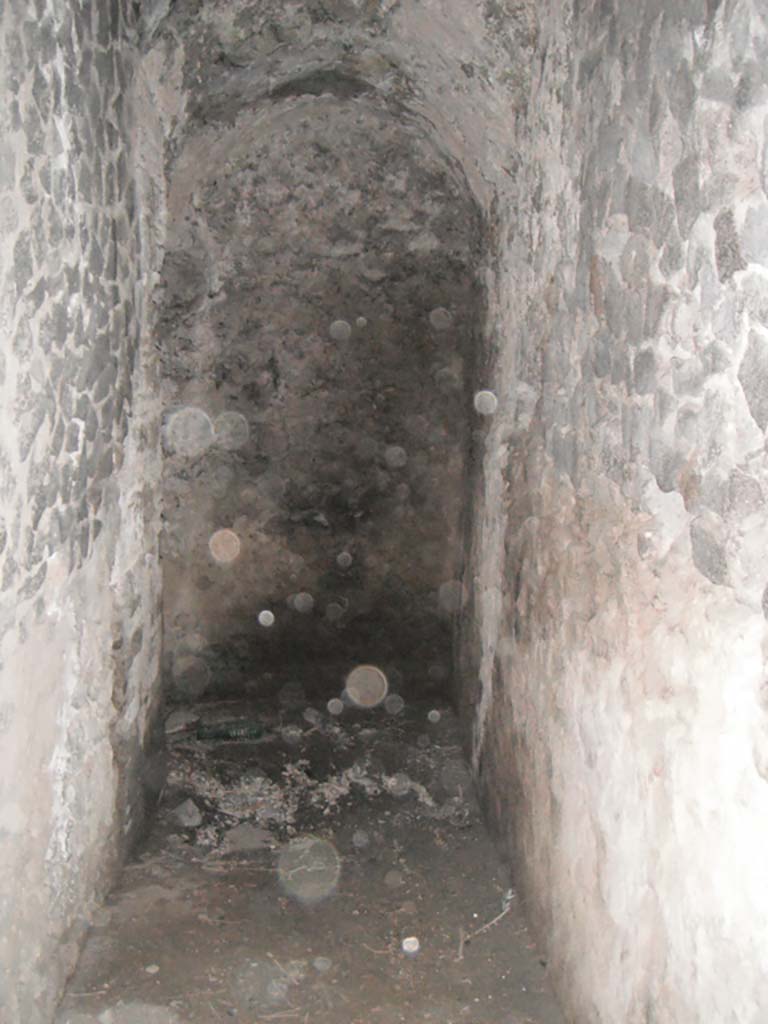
(315, 867)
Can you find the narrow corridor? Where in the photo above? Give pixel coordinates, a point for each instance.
(430, 334)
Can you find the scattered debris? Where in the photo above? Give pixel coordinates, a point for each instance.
(320, 882)
(277, 801)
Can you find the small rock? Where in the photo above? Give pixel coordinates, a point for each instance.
(180, 721)
(247, 837)
(187, 814)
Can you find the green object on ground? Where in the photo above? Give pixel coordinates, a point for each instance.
(237, 730)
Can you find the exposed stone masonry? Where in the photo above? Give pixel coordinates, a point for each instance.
(69, 215)
(78, 511)
(621, 725)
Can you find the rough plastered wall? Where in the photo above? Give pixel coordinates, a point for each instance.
(619, 606)
(79, 577)
(318, 317)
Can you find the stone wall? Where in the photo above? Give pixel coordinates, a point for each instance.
(79, 440)
(319, 312)
(618, 613)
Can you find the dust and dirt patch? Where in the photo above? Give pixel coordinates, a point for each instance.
(339, 871)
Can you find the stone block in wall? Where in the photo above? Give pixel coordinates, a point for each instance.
(753, 375)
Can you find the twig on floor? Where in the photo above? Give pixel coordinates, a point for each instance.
(277, 963)
(460, 954)
(490, 924)
(378, 952)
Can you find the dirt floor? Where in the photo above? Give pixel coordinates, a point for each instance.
(333, 869)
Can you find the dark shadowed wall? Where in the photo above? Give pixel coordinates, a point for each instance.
(319, 315)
